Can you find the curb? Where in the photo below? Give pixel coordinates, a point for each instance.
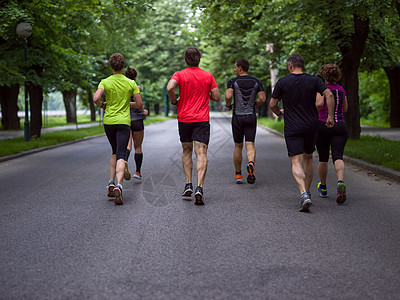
(29, 152)
(376, 169)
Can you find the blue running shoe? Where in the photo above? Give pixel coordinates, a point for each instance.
(341, 193)
(323, 193)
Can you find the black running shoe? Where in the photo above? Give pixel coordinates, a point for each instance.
(305, 202)
(251, 178)
(198, 196)
(188, 190)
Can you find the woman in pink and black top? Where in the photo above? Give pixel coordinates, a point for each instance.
(334, 138)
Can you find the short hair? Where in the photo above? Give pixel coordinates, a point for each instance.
(297, 61)
(131, 73)
(192, 56)
(244, 63)
(117, 61)
(331, 73)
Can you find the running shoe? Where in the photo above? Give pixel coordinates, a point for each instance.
(110, 189)
(198, 196)
(305, 202)
(239, 178)
(127, 175)
(137, 175)
(251, 178)
(188, 190)
(118, 195)
(341, 193)
(323, 193)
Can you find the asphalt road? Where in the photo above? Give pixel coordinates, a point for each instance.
(61, 237)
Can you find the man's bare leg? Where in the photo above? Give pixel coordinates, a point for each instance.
(298, 172)
(323, 172)
(308, 170)
(200, 149)
(187, 148)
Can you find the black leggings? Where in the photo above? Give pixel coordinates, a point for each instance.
(334, 138)
(118, 136)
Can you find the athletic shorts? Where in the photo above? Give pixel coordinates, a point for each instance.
(300, 143)
(244, 126)
(197, 131)
(334, 138)
(137, 125)
(118, 136)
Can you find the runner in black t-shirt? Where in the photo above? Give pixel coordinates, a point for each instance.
(297, 92)
(247, 92)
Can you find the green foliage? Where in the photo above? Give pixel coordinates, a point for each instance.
(157, 50)
(374, 96)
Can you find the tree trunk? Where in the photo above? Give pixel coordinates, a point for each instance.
(9, 107)
(393, 74)
(349, 65)
(35, 101)
(69, 98)
(91, 105)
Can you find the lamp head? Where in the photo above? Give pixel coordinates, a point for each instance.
(24, 29)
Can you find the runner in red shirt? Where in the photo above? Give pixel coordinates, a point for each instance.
(196, 87)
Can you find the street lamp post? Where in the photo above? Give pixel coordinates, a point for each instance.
(24, 30)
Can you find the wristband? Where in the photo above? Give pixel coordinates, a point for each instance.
(280, 113)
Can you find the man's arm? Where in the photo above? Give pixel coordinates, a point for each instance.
(172, 84)
(215, 94)
(261, 98)
(228, 98)
(97, 98)
(273, 104)
(330, 102)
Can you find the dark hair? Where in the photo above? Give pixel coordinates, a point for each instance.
(192, 57)
(117, 61)
(297, 61)
(244, 63)
(131, 73)
(331, 73)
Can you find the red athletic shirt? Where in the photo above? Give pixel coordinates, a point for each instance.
(195, 85)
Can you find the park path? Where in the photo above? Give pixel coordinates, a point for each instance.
(61, 238)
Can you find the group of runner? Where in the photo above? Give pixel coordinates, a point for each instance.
(312, 111)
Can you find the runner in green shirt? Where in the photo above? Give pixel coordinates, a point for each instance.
(118, 90)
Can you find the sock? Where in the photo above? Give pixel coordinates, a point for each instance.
(340, 181)
(119, 186)
(138, 161)
(239, 173)
(127, 154)
(322, 186)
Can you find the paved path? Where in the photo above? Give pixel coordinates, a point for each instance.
(61, 238)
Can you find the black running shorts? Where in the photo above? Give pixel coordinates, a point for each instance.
(137, 125)
(244, 126)
(300, 143)
(197, 131)
(334, 138)
(118, 136)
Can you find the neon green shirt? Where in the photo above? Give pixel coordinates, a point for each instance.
(118, 90)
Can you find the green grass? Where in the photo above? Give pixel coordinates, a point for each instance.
(375, 150)
(374, 123)
(17, 145)
(270, 123)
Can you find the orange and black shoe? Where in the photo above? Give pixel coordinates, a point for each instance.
(239, 178)
(118, 195)
(251, 178)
